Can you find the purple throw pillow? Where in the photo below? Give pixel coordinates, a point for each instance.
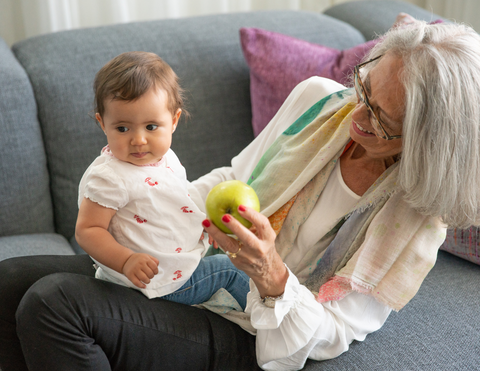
(278, 63)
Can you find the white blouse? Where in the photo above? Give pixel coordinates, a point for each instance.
(335, 201)
(299, 327)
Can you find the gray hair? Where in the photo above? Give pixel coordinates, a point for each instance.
(440, 161)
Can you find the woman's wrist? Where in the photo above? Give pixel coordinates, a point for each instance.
(274, 282)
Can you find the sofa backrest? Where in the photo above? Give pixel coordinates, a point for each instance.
(373, 20)
(204, 51)
(25, 204)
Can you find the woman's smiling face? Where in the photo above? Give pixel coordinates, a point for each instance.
(386, 95)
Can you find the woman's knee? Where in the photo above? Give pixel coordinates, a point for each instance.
(18, 274)
(47, 301)
(52, 324)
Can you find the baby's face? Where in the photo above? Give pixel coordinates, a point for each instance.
(139, 131)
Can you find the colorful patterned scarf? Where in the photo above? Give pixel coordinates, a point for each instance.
(382, 247)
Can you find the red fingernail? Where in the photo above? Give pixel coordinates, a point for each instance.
(242, 208)
(206, 223)
(226, 218)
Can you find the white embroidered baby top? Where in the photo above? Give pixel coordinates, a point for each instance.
(155, 215)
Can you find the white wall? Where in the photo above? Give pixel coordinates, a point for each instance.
(20, 19)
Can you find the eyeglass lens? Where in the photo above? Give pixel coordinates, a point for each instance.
(363, 97)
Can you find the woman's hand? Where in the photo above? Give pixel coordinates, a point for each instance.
(140, 268)
(254, 252)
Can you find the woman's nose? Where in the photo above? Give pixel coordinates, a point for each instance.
(361, 111)
(364, 112)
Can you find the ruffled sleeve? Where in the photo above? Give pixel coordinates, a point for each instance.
(105, 187)
(299, 327)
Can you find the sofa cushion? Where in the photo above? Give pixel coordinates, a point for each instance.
(373, 20)
(211, 67)
(279, 62)
(25, 202)
(34, 244)
(437, 330)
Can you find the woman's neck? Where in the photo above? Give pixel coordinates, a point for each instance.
(359, 155)
(359, 170)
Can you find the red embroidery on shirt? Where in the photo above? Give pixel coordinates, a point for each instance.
(168, 167)
(179, 275)
(148, 180)
(185, 209)
(139, 220)
(178, 249)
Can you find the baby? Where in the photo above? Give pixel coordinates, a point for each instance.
(136, 218)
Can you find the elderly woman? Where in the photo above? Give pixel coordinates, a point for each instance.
(356, 187)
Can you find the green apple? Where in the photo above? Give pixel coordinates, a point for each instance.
(225, 198)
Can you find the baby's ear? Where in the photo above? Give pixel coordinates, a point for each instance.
(176, 118)
(100, 121)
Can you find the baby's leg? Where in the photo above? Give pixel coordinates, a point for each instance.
(213, 273)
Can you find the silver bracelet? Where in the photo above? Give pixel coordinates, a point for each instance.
(269, 301)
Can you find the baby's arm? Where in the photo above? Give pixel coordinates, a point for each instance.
(92, 235)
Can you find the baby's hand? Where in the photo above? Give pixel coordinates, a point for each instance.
(140, 268)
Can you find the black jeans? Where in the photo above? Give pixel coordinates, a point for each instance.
(68, 320)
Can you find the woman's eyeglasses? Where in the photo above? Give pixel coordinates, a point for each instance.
(374, 120)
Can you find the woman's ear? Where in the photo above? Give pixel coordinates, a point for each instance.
(176, 117)
(100, 121)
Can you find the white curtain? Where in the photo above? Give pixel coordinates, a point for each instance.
(20, 19)
(465, 11)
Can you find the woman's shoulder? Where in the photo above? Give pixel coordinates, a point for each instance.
(313, 89)
(302, 97)
(322, 83)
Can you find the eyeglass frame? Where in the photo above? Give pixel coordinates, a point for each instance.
(361, 93)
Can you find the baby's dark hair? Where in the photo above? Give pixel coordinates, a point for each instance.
(129, 75)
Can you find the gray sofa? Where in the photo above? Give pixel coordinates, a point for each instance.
(48, 138)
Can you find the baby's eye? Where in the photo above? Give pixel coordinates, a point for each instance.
(122, 129)
(151, 127)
